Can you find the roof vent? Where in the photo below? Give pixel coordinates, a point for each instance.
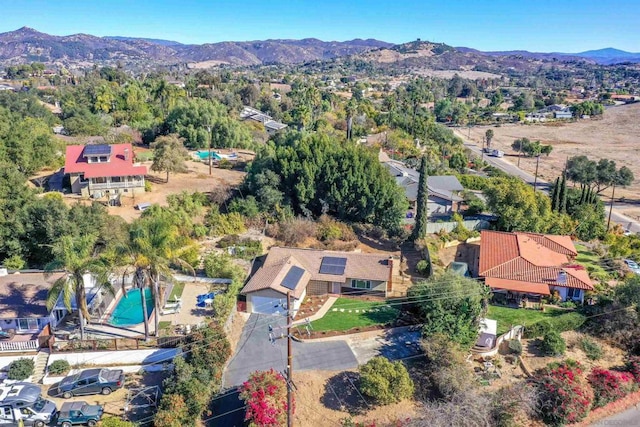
(126, 154)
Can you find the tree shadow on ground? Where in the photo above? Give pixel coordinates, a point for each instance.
(341, 394)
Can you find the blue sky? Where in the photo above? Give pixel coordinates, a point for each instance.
(542, 25)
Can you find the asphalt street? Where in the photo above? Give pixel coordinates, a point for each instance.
(628, 418)
(508, 167)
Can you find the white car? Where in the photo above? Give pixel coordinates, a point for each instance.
(633, 266)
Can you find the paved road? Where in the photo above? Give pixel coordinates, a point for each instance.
(256, 352)
(628, 418)
(508, 167)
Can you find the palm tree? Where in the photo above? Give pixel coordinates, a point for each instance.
(75, 257)
(153, 248)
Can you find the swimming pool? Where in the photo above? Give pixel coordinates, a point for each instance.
(204, 155)
(128, 311)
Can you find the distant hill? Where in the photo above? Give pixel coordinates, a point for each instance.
(605, 56)
(154, 41)
(27, 45)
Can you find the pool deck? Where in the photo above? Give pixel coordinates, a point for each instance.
(189, 314)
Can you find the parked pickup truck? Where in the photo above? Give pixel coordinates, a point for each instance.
(78, 413)
(496, 153)
(23, 402)
(91, 381)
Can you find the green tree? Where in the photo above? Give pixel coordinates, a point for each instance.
(385, 381)
(75, 257)
(153, 247)
(422, 210)
(458, 315)
(488, 135)
(562, 196)
(169, 154)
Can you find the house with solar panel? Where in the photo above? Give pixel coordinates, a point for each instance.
(303, 272)
(103, 170)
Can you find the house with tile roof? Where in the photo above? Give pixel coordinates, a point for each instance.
(97, 170)
(303, 272)
(529, 265)
(443, 199)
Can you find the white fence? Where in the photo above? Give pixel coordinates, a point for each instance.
(514, 333)
(475, 224)
(132, 357)
(18, 345)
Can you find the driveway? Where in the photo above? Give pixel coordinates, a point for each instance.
(256, 352)
(393, 346)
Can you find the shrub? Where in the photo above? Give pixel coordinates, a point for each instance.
(116, 422)
(591, 348)
(447, 367)
(223, 224)
(568, 304)
(14, 262)
(329, 229)
(515, 346)
(220, 266)
(21, 369)
(422, 267)
(385, 381)
(265, 394)
(553, 344)
(59, 367)
(147, 186)
(295, 231)
(609, 386)
(225, 164)
(244, 248)
(632, 365)
(563, 396)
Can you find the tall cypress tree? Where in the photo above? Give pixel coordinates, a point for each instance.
(563, 194)
(555, 196)
(422, 212)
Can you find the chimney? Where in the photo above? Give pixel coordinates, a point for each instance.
(126, 154)
(562, 278)
(390, 282)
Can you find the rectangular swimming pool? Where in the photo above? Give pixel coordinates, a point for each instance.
(128, 311)
(204, 155)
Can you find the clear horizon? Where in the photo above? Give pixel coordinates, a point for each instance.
(543, 26)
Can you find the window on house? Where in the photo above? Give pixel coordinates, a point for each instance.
(361, 284)
(103, 159)
(115, 179)
(101, 180)
(573, 293)
(27, 324)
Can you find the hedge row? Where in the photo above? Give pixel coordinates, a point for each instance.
(561, 323)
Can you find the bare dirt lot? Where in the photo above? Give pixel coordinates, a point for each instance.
(197, 178)
(616, 136)
(317, 404)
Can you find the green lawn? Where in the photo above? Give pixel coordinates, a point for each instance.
(176, 291)
(508, 317)
(589, 259)
(345, 316)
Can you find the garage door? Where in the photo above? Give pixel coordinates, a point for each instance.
(266, 305)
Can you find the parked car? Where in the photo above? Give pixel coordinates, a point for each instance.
(633, 266)
(91, 381)
(497, 153)
(78, 413)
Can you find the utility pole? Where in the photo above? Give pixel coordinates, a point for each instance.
(613, 192)
(535, 180)
(289, 363)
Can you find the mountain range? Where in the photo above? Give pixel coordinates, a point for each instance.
(29, 45)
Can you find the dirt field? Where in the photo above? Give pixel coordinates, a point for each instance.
(616, 136)
(317, 405)
(197, 178)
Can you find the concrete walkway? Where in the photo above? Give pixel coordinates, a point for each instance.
(320, 313)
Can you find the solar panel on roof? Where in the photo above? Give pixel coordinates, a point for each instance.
(292, 278)
(333, 265)
(97, 150)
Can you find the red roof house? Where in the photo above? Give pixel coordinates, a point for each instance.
(532, 265)
(100, 169)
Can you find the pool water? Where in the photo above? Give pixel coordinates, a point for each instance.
(205, 155)
(128, 311)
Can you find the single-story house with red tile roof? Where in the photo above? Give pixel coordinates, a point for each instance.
(302, 272)
(531, 265)
(101, 169)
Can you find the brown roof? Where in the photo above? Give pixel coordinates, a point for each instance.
(271, 277)
(358, 266)
(532, 258)
(25, 295)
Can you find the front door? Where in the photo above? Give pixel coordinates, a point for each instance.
(335, 288)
